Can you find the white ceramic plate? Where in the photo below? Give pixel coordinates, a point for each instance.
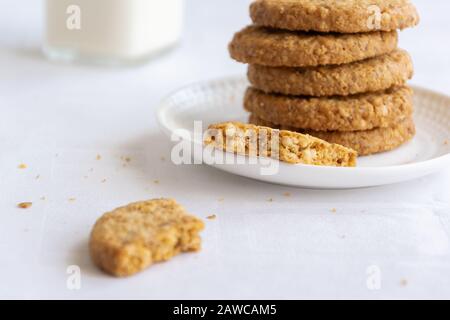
(221, 100)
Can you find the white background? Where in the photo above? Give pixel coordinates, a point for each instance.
(56, 118)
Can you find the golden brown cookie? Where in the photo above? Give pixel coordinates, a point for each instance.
(352, 113)
(344, 16)
(277, 48)
(131, 238)
(290, 147)
(374, 74)
(364, 142)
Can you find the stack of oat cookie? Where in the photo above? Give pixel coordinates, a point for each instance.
(331, 69)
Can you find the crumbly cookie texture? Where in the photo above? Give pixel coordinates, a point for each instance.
(131, 238)
(370, 75)
(352, 113)
(287, 146)
(277, 48)
(345, 16)
(364, 142)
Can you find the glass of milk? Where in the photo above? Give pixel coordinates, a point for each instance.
(111, 31)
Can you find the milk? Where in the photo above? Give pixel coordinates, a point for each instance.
(111, 31)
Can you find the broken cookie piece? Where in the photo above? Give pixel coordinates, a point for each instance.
(287, 146)
(131, 238)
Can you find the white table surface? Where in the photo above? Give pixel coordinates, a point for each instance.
(56, 118)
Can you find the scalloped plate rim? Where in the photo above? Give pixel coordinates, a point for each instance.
(426, 167)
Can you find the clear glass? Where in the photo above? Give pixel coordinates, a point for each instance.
(111, 31)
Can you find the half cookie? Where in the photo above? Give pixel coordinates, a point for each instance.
(364, 142)
(369, 75)
(290, 147)
(277, 48)
(344, 16)
(131, 238)
(353, 113)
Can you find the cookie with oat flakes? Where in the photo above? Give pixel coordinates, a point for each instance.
(351, 113)
(364, 142)
(343, 16)
(370, 75)
(131, 238)
(283, 145)
(278, 48)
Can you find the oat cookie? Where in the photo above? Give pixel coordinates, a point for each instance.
(290, 147)
(352, 113)
(374, 74)
(364, 142)
(131, 238)
(344, 16)
(277, 48)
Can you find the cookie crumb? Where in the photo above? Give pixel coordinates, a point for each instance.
(211, 217)
(24, 205)
(156, 181)
(98, 157)
(446, 143)
(403, 282)
(125, 161)
(287, 194)
(72, 199)
(334, 210)
(22, 166)
(163, 159)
